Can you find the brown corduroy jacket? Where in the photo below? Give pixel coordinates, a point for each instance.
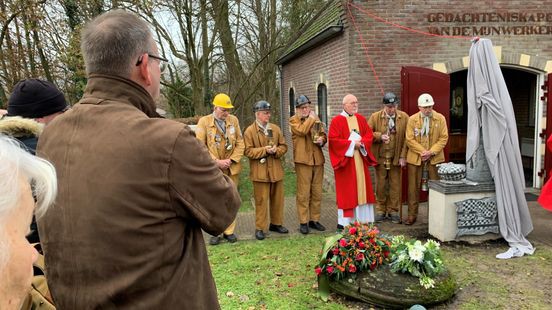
(135, 191)
(304, 150)
(438, 138)
(264, 167)
(378, 122)
(207, 132)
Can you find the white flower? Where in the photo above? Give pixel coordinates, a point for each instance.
(427, 282)
(418, 246)
(416, 254)
(432, 244)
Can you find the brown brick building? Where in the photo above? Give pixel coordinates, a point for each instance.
(409, 47)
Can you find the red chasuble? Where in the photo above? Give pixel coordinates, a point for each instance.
(545, 198)
(344, 167)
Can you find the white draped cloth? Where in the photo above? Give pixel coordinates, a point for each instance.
(490, 111)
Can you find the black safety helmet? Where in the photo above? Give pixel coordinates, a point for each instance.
(390, 98)
(262, 105)
(302, 100)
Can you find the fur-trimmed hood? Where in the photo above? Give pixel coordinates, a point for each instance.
(19, 127)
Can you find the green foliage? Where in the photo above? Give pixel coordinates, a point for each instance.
(420, 260)
(179, 98)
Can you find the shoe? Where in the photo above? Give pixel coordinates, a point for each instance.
(379, 217)
(339, 227)
(214, 240)
(512, 252)
(316, 225)
(259, 234)
(410, 220)
(395, 218)
(304, 229)
(278, 228)
(230, 238)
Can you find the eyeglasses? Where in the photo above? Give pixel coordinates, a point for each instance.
(162, 66)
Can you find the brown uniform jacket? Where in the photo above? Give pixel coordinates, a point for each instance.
(207, 132)
(378, 122)
(438, 138)
(135, 190)
(255, 149)
(304, 150)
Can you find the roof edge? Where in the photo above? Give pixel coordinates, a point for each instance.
(319, 38)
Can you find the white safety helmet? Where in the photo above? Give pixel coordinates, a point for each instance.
(425, 100)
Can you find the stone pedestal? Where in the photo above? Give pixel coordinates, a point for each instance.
(442, 219)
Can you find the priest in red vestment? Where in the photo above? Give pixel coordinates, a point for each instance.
(350, 139)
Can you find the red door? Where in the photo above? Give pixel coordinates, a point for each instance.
(416, 81)
(548, 152)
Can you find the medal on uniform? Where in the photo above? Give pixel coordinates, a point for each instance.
(263, 160)
(228, 145)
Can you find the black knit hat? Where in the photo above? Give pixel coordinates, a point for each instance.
(34, 98)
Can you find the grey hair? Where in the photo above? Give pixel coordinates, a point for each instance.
(112, 42)
(17, 163)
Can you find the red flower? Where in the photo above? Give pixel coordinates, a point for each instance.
(318, 270)
(360, 256)
(329, 269)
(361, 245)
(386, 254)
(343, 242)
(352, 268)
(335, 251)
(352, 230)
(373, 265)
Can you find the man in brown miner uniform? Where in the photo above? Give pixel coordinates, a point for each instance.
(264, 146)
(389, 149)
(426, 137)
(308, 139)
(220, 132)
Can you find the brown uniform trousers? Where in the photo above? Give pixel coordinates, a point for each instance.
(414, 182)
(388, 182)
(435, 142)
(267, 174)
(216, 142)
(309, 168)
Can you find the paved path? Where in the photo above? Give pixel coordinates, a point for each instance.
(245, 227)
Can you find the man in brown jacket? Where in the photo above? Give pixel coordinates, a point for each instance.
(389, 149)
(426, 137)
(220, 132)
(308, 138)
(264, 146)
(135, 190)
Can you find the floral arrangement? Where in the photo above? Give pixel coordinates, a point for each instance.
(359, 248)
(420, 260)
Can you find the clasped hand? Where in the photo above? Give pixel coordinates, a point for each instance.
(426, 155)
(224, 163)
(271, 149)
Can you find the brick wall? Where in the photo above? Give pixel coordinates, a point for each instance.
(343, 63)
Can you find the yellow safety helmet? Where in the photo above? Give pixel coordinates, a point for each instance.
(223, 100)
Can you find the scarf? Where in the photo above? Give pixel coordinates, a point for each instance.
(221, 124)
(425, 126)
(390, 122)
(264, 128)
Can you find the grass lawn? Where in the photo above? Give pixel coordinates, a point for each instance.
(246, 187)
(279, 274)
